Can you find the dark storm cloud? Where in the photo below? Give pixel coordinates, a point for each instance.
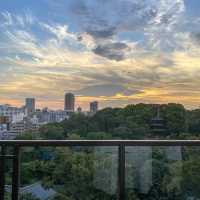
(105, 20)
(113, 51)
(102, 33)
(105, 90)
(196, 37)
(79, 7)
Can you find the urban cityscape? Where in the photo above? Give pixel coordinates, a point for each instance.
(18, 120)
(99, 99)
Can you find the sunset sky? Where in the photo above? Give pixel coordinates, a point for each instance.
(117, 52)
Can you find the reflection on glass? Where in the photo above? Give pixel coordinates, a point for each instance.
(105, 175)
(173, 153)
(154, 173)
(63, 173)
(91, 173)
(139, 168)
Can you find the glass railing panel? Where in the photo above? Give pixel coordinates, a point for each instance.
(70, 173)
(6, 166)
(168, 173)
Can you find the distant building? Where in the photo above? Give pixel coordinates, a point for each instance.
(30, 105)
(79, 110)
(69, 102)
(18, 128)
(13, 113)
(24, 126)
(4, 123)
(45, 116)
(158, 123)
(94, 107)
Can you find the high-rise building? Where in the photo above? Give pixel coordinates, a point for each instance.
(94, 107)
(69, 102)
(30, 105)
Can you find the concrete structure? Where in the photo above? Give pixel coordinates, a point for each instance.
(45, 116)
(30, 105)
(13, 113)
(24, 126)
(94, 107)
(69, 102)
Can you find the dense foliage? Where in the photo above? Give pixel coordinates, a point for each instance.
(91, 173)
(131, 122)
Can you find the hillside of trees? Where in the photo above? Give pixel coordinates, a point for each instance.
(131, 122)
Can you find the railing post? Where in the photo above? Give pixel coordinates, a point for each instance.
(16, 174)
(2, 172)
(121, 172)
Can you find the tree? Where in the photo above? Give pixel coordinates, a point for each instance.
(77, 123)
(28, 196)
(175, 117)
(52, 132)
(98, 136)
(73, 174)
(193, 117)
(107, 119)
(74, 136)
(27, 136)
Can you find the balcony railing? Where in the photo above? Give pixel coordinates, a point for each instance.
(134, 165)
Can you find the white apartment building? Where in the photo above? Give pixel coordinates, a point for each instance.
(15, 114)
(49, 116)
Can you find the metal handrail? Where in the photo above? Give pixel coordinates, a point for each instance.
(100, 142)
(121, 144)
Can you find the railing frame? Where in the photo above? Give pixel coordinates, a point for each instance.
(121, 144)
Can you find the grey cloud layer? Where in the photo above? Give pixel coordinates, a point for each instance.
(106, 90)
(105, 19)
(114, 51)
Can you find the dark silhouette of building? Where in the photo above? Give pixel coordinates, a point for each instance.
(69, 102)
(79, 109)
(157, 123)
(94, 107)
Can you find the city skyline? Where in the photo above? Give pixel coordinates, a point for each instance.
(69, 105)
(124, 52)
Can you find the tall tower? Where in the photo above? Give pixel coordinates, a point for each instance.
(30, 105)
(69, 102)
(94, 107)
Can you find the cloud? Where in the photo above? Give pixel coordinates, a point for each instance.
(195, 37)
(159, 20)
(60, 31)
(108, 90)
(102, 33)
(114, 51)
(168, 23)
(9, 19)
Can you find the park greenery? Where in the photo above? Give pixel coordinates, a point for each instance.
(131, 122)
(90, 173)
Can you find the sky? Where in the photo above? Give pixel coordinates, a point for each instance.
(117, 52)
